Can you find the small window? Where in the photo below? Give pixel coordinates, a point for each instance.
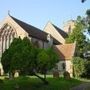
(36, 43)
(63, 65)
(69, 29)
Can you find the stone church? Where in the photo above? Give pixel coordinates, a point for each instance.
(12, 27)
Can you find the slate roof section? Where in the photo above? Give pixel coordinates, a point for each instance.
(31, 30)
(63, 34)
(65, 51)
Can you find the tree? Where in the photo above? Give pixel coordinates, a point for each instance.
(43, 59)
(7, 56)
(88, 12)
(87, 67)
(17, 55)
(23, 56)
(78, 66)
(47, 59)
(88, 20)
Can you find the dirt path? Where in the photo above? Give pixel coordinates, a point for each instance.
(84, 86)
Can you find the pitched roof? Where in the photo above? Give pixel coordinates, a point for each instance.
(31, 30)
(64, 34)
(66, 51)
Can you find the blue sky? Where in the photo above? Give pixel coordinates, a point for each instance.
(39, 12)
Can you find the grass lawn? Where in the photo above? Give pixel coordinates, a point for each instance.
(27, 83)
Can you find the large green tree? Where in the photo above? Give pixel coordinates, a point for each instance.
(17, 56)
(47, 59)
(23, 56)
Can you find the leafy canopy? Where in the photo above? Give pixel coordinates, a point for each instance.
(22, 55)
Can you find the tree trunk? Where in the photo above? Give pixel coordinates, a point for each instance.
(43, 79)
(45, 76)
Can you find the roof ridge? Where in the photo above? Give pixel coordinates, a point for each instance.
(62, 32)
(58, 28)
(65, 44)
(24, 22)
(31, 30)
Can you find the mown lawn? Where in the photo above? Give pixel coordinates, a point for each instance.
(27, 83)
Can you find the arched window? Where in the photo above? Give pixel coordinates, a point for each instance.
(69, 29)
(64, 66)
(7, 33)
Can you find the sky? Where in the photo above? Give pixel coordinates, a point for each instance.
(39, 12)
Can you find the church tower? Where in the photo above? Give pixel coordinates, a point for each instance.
(69, 26)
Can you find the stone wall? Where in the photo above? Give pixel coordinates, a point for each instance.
(68, 67)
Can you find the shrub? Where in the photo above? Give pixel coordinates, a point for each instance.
(78, 66)
(86, 74)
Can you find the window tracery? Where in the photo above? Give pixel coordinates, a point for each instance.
(7, 34)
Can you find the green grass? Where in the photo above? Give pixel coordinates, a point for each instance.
(27, 83)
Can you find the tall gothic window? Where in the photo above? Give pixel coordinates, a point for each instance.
(64, 66)
(7, 33)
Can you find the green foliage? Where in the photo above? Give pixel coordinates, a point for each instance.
(78, 66)
(88, 20)
(86, 74)
(82, 26)
(7, 56)
(88, 69)
(47, 59)
(88, 12)
(53, 58)
(6, 61)
(17, 56)
(23, 56)
(43, 60)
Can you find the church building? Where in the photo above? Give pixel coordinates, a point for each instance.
(12, 27)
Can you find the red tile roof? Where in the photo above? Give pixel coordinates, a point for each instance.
(65, 51)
